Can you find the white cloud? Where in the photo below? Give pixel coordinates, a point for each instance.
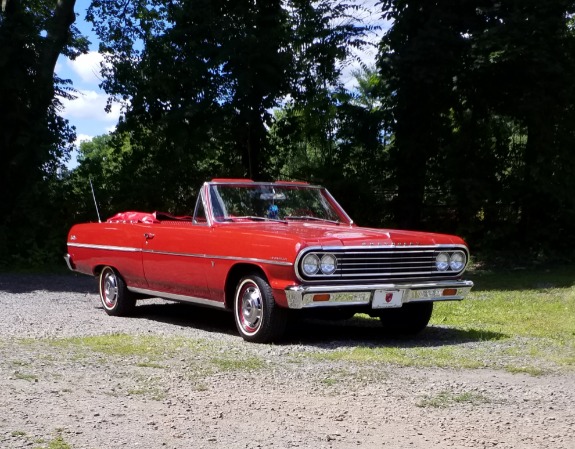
(82, 138)
(87, 67)
(91, 105)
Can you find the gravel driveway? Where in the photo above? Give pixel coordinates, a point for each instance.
(199, 385)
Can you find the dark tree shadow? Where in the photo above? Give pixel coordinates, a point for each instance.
(28, 283)
(518, 278)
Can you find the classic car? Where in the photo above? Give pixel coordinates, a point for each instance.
(266, 250)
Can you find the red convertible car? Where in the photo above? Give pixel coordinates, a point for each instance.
(265, 250)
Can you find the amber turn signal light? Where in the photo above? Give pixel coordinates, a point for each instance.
(450, 292)
(321, 297)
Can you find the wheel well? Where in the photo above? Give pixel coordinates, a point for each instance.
(236, 273)
(98, 269)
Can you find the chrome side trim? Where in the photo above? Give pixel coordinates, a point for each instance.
(300, 296)
(169, 253)
(210, 256)
(179, 298)
(105, 247)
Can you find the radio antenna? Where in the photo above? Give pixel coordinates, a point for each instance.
(95, 202)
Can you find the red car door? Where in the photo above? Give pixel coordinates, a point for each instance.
(174, 258)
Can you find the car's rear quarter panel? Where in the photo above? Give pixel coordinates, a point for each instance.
(94, 245)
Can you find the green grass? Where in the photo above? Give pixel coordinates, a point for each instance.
(235, 363)
(25, 376)
(57, 442)
(539, 313)
(122, 345)
(445, 399)
(522, 322)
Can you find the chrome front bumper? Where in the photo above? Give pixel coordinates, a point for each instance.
(378, 296)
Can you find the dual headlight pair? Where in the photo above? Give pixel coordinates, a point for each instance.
(450, 261)
(312, 264)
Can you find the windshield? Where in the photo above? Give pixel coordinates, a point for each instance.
(270, 202)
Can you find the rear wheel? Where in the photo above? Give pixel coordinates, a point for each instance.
(114, 294)
(257, 316)
(410, 319)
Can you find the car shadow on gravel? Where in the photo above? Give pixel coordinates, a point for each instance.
(354, 332)
(365, 332)
(184, 315)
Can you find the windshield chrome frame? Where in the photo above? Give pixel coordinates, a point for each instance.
(206, 195)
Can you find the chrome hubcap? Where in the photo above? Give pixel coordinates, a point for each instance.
(110, 290)
(251, 308)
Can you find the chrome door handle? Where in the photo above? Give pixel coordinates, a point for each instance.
(149, 236)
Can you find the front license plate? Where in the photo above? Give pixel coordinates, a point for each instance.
(385, 299)
(427, 294)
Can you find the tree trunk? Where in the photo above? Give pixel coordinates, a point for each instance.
(24, 119)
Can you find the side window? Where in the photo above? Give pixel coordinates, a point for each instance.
(199, 212)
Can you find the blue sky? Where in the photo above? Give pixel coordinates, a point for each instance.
(87, 112)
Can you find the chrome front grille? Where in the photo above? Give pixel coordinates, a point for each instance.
(383, 263)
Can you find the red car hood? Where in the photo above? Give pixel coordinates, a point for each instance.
(319, 234)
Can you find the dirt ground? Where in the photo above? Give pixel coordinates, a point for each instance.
(224, 393)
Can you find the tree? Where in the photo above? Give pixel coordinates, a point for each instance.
(525, 60)
(341, 143)
(34, 139)
(481, 94)
(203, 76)
(419, 60)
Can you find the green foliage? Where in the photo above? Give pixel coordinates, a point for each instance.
(202, 77)
(465, 126)
(35, 140)
(340, 142)
(481, 96)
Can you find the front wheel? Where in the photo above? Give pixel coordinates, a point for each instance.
(115, 296)
(409, 319)
(257, 316)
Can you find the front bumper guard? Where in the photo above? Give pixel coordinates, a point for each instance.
(312, 296)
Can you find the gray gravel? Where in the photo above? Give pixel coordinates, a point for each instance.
(210, 389)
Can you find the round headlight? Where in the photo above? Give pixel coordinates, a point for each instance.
(310, 264)
(442, 261)
(457, 261)
(328, 264)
